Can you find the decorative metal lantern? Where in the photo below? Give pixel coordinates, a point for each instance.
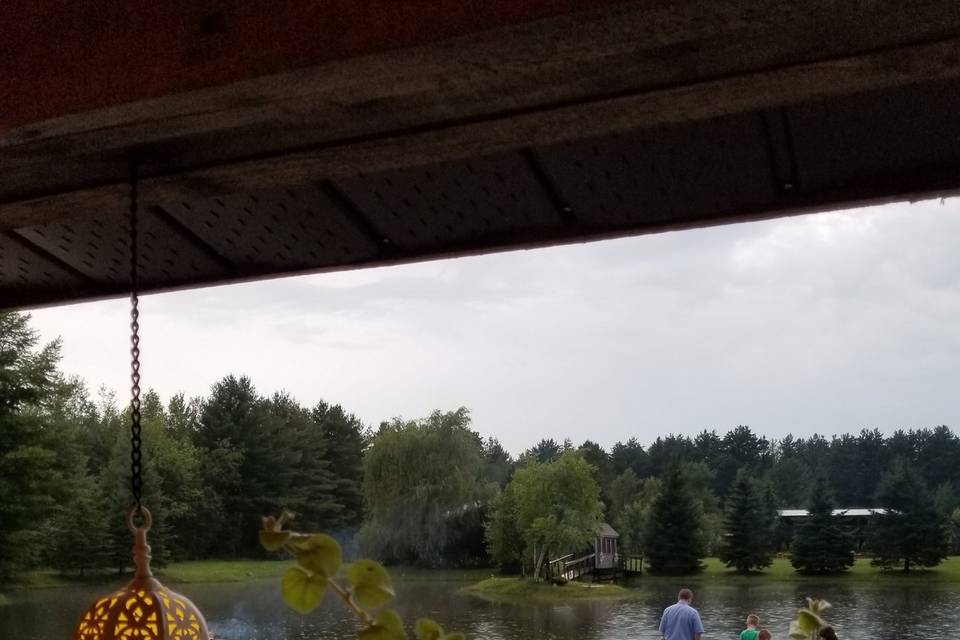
(144, 609)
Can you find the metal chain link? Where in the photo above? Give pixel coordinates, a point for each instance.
(136, 469)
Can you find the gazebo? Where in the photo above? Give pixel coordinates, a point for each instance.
(607, 547)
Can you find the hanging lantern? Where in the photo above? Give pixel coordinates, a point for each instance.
(144, 609)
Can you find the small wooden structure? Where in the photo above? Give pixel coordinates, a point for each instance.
(605, 562)
(607, 547)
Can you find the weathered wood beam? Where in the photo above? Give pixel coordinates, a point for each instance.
(897, 67)
(65, 57)
(616, 49)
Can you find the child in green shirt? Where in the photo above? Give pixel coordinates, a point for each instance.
(753, 628)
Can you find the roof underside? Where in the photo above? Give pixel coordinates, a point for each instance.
(632, 118)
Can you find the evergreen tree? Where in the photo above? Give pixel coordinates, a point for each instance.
(497, 463)
(30, 476)
(674, 539)
(912, 532)
(820, 545)
(748, 537)
(346, 440)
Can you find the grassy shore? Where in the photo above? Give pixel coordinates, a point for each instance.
(511, 589)
(782, 571)
(242, 570)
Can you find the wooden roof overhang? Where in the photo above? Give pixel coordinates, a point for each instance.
(288, 137)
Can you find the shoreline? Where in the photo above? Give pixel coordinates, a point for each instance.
(224, 571)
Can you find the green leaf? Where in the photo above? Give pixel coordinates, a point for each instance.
(302, 591)
(273, 540)
(371, 583)
(809, 621)
(796, 633)
(388, 626)
(319, 553)
(427, 629)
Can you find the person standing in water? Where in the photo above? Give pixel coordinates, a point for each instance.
(681, 621)
(753, 628)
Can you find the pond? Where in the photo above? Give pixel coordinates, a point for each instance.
(254, 611)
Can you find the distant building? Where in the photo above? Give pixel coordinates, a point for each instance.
(855, 522)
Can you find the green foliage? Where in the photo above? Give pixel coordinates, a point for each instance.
(748, 534)
(809, 621)
(820, 545)
(31, 477)
(674, 538)
(912, 532)
(556, 507)
(419, 476)
(634, 521)
(505, 542)
(365, 587)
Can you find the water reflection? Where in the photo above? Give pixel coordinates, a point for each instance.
(254, 611)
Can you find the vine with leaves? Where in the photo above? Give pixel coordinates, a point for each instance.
(364, 586)
(810, 623)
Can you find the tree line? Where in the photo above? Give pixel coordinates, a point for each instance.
(212, 466)
(432, 491)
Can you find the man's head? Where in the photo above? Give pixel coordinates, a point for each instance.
(685, 595)
(753, 620)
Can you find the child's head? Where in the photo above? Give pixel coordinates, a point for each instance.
(764, 635)
(827, 633)
(753, 620)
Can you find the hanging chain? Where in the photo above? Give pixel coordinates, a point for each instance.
(136, 479)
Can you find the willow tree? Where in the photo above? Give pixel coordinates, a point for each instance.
(418, 477)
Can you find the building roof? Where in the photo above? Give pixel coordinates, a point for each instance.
(803, 513)
(391, 132)
(606, 531)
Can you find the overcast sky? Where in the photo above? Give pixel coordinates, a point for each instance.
(825, 323)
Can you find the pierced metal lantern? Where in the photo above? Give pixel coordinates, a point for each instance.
(144, 609)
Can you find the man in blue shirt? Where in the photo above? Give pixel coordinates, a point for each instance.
(681, 621)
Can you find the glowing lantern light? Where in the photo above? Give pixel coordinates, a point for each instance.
(144, 609)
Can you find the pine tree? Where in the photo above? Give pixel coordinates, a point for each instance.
(674, 539)
(820, 545)
(345, 442)
(30, 476)
(748, 536)
(911, 532)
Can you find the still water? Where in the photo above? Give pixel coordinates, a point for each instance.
(254, 611)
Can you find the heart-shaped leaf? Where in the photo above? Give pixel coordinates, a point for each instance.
(273, 540)
(319, 553)
(388, 626)
(371, 583)
(809, 621)
(427, 629)
(302, 591)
